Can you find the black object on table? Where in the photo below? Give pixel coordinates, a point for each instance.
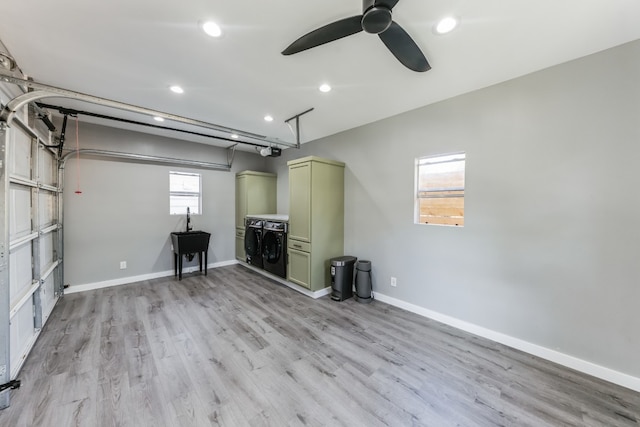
(189, 242)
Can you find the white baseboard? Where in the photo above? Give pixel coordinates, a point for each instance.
(133, 279)
(572, 362)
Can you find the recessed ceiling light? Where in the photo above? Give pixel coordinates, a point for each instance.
(446, 25)
(324, 88)
(212, 29)
(176, 89)
(234, 136)
(268, 118)
(158, 119)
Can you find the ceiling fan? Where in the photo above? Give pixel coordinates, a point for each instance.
(375, 19)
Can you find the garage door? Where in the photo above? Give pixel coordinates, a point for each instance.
(30, 258)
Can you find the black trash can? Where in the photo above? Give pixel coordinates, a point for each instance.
(342, 277)
(363, 282)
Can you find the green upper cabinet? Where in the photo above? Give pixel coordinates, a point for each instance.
(255, 194)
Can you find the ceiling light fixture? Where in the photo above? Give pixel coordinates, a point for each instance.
(212, 29)
(446, 25)
(234, 136)
(158, 119)
(324, 88)
(268, 118)
(176, 89)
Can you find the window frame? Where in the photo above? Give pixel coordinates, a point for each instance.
(444, 192)
(198, 194)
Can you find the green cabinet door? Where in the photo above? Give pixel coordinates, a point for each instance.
(299, 267)
(240, 253)
(300, 202)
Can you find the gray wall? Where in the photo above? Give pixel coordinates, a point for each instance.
(123, 211)
(549, 250)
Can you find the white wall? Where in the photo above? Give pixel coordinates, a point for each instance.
(123, 211)
(549, 250)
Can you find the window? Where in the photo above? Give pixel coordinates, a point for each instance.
(440, 190)
(184, 192)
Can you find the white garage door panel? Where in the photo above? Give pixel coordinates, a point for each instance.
(19, 153)
(46, 208)
(21, 275)
(22, 334)
(46, 251)
(48, 172)
(19, 211)
(47, 297)
(32, 272)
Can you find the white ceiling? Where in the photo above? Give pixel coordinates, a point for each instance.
(132, 51)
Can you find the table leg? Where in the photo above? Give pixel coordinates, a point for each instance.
(175, 264)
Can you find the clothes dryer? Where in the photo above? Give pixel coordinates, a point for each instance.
(274, 248)
(253, 241)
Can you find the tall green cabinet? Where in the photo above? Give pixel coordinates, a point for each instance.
(316, 220)
(255, 194)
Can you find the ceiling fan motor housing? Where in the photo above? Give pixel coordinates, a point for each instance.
(375, 19)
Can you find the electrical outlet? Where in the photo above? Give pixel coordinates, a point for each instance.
(394, 282)
(123, 265)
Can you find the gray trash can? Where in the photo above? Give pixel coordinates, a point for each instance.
(342, 277)
(363, 282)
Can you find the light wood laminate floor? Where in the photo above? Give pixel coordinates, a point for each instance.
(237, 349)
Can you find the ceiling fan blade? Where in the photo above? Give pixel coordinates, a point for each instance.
(387, 3)
(328, 33)
(404, 48)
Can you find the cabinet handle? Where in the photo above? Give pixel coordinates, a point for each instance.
(297, 246)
